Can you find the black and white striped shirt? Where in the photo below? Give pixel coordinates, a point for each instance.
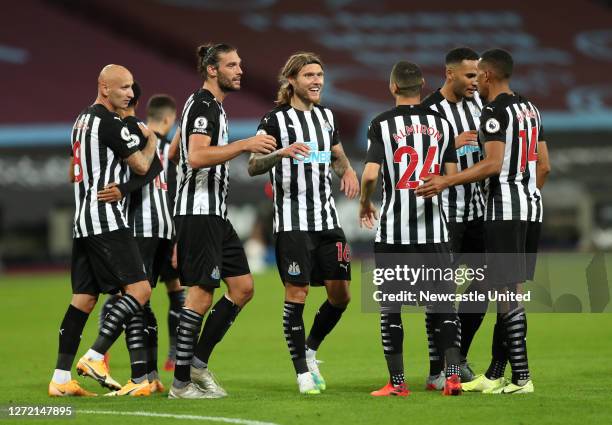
(513, 195)
(147, 207)
(303, 189)
(410, 142)
(202, 191)
(100, 140)
(163, 148)
(464, 202)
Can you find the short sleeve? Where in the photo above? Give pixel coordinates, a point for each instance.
(203, 119)
(541, 137)
(132, 125)
(376, 148)
(493, 124)
(450, 154)
(269, 125)
(335, 139)
(115, 134)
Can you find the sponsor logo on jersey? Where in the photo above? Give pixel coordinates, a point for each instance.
(134, 141)
(294, 269)
(315, 155)
(464, 150)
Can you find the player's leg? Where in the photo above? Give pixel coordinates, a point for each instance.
(294, 262)
(219, 320)
(472, 313)
(392, 335)
(236, 274)
(176, 298)
(436, 379)
(332, 258)
(448, 323)
(389, 256)
(117, 264)
(157, 250)
(72, 326)
(84, 298)
(514, 321)
(109, 302)
(198, 302)
(199, 254)
(326, 318)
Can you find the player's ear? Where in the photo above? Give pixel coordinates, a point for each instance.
(449, 73)
(211, 70)
(393, 88)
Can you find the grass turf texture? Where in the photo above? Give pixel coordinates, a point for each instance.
(569, 359)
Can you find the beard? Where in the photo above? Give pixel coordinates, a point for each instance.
(225, 84)
(304, 96)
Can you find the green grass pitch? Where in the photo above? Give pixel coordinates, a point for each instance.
(569, 358)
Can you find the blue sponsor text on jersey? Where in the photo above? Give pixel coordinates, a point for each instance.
(315, 155)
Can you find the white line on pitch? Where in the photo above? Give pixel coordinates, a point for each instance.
(173, 416)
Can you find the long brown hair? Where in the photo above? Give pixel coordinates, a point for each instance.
(292, 68)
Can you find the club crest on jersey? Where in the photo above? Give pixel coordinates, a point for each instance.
(215, 273)
(200, 122)
(327, 126)
(294, 269)
(492, 125)
(315, 155)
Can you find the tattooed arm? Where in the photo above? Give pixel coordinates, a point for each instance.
(260, 163)
(349, 183)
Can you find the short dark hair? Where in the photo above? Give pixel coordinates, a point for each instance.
(208, 54)
(460, 54)
(158, 104)
(500, 60)
(137, 92)
(408, 77)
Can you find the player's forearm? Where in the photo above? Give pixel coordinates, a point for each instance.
(173, 150)
(368, 186)
(137, 181)
(542, 171)
(260, 164)
(340, 162)
(209, 156)
(478, 172)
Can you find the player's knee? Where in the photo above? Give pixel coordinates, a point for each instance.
(242, 295)
(141, 291)
(173, 285)
(340, 300)
(296, 293)
(84, 302)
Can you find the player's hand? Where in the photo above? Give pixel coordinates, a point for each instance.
(349, 184)
(174, 260)
(469, 137)
(433, 185)
(367, 215)
(146, 131)
(110, 193)
(297, 151)
(260, 143)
